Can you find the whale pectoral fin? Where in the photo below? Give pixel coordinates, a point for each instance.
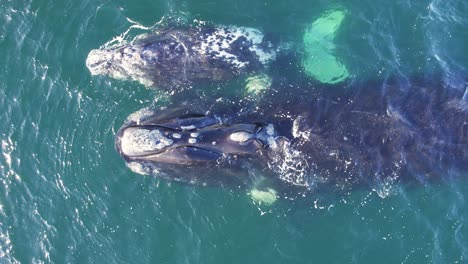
(261, 192)
(320, 61)
(325, 68)
(267, 196)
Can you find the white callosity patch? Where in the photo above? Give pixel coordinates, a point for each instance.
(135, 140)
(187, 127)
(220, 43)
(269, 137)
(240, 136)
(193, 138)
(121, 63)
(270, 129)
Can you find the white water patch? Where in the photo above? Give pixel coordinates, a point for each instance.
(445, 12)
(136, 140)
(297, 131)
(124, 37)
(139, 168)
(386, 186)
(7, 148)
(220, 43)
(6, 247)
(445, 25)
(47, 230)
(6, 166)
(140, 115)
(291, 165)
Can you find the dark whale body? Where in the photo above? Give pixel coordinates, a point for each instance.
(177, 58)
(373, 134)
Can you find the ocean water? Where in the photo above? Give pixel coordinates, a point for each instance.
(67, 197)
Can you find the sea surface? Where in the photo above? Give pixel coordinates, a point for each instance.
(67, 197)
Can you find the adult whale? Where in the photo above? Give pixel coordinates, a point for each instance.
(180, 57)
(374, 134)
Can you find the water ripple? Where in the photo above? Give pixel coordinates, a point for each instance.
(66, 196)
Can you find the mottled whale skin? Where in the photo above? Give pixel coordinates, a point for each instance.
(371, 135)
(177, 58)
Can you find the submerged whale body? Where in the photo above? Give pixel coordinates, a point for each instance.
(177, 58)
(367, 136)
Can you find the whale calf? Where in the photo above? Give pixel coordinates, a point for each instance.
(177, 58)
(369, 136)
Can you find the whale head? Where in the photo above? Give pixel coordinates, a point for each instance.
(154, 60)
(189, 142)
(128, 62)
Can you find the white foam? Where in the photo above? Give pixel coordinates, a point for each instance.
(139, 115)
(291, 164)
(272, 142)
(296, 130)
(139, 168)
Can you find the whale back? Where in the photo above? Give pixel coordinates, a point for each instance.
(175, 59)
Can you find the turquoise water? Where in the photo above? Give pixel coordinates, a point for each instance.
(67, 197)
